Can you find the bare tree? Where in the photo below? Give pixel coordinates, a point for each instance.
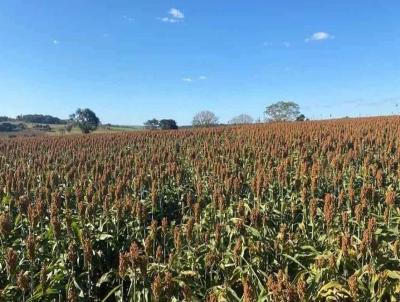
(241, 119)
(204, 119)
(282, 111)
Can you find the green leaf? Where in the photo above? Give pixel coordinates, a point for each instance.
(328, 288)
(296, 261)
(111, 292)
(6, 200)
(76, 230)
(253, 231)
(106, 277)
(104, 236)
(393, 274)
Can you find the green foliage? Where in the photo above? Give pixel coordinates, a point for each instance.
(39, 119)
(282, 111)
(168, 124)
(86, 120)
(153, 124)
(164, 124)
(10, 127)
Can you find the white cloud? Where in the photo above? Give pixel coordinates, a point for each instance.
(320, 36)
(202, 78)
(176, 13)
(187, 80)
(169, 20)
(174, 16)
(55, 42)
(287, 44)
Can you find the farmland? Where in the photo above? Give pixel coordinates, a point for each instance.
(302, 211)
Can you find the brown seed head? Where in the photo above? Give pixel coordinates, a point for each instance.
(328, 209)
(11, 258)
(353, 286)
(5, 224)
(123, 264)
(248, 293)
(87, 252)
(22, 281)
(30, 247)
(156, 288)
(390, 198)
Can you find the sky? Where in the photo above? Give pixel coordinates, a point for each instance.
(133, 60)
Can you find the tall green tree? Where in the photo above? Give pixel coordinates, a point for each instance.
(282, 111)
(168, 124)
(153, 124)
(86, 120)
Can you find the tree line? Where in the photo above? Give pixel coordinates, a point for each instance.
(87, 121)
(278, 112)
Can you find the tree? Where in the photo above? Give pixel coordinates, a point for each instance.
(86, 120)
(68, 127)
(241, 119)
(282, 111)
(301, 118)
(153, 124)
(39, 119)
(168, 124)
(204, 119)
(8, 127)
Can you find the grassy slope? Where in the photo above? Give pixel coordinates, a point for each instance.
(57, 129)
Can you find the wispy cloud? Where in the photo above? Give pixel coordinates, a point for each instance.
(174, 16)
(128, 18)
(56, 42)
(194, 79)
(320, 36)
(287, 44)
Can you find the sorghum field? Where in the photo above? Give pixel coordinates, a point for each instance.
(304, 211)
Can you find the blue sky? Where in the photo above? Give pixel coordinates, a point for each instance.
(130, 61)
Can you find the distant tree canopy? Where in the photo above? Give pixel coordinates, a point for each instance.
(153, 124)
(168, 124)
(9, 127)
(301, 118)
(85, 119)
(241, 119)
(282, 111)
(204, 119)
(40, 119)
(41, 127)
(4, 118)
(164, 124)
